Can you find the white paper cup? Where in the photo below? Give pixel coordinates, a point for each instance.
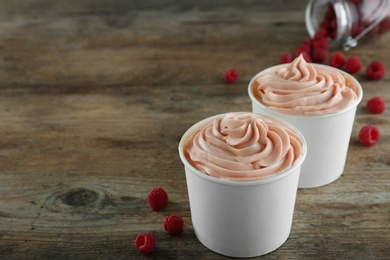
(241, 219)
(327, 136)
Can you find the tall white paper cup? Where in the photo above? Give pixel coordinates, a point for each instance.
(327, 136)
(241, 219)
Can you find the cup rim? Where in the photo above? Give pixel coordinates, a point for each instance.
(261, 181)
(306, 116)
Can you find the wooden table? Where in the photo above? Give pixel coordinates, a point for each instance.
(95, 95)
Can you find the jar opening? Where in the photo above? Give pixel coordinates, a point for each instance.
(347, 21)
(325, 11)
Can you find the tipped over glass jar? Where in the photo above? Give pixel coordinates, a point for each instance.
(348, 21)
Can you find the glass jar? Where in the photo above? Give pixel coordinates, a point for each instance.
(347, 21)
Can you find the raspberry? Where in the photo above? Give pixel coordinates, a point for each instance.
(286, 58)
(353, 65)
(231, 75)
(326, 25)
(376, 105)
(302, 48)
(319, 55)
(308, 42)
(306, 56)
(369, 135)
(333, 34)
(330, 13)
(173, 224)
(337, 60)
(333, 23)
(322, 43)
(158, 199)
(145, 243)
(320, 33)
(376, 70)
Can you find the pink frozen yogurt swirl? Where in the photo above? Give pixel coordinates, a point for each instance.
(243, 147)
(305, 88)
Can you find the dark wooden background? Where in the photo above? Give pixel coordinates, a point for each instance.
(95, 95)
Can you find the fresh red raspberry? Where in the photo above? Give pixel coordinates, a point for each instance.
(158, 199)
(308, 42)
(322, 43)
(353, 65)
(286, 58)
(302, 48)
(326, 25)
(319, 55)
(333, 23)
(145, 243)
(306, 56)
(376, 105)
(333, 34)
(321, 33)
(369, 135)
(376, 70)
(330, 13)
(337, 60)
(231, 75)
(174, 224)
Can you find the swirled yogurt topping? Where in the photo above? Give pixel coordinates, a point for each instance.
(305, 88)
(243, 147)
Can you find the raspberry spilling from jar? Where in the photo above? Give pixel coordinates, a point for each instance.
(369, 135)
(316, 49)
(319, 55)
(362, 21)
(231, 75)
(174, 224)
(286, 58)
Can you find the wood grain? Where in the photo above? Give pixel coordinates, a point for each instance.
(95, 96)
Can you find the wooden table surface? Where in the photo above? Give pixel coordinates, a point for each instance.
(95, 95)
